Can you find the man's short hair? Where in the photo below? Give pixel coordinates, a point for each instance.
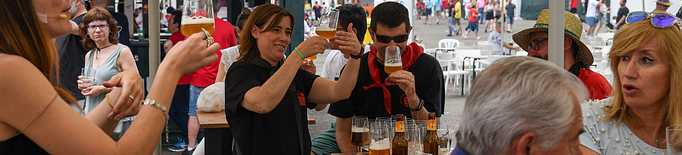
(177, 17)
(353, 13)
(514, 96)
(390, 14)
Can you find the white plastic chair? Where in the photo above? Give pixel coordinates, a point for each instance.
(596, 41)
(448, 44)
(446, 61)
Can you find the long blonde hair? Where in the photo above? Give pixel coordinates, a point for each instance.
(630, 38)
(23, 34)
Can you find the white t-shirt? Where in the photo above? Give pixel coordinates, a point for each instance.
(592, 8)
(139, 19)
(306, 29)
(229, 55)
(495, 39)
(333, 65)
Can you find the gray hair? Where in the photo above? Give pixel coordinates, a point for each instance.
(514, 96)
(216, 6)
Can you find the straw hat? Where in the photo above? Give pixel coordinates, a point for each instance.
(664, 2)
(572, 28)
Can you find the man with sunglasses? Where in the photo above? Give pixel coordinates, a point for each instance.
(419, 88)
(577, 57)
(663, 5)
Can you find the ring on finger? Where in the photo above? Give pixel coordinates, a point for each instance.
(132, 97)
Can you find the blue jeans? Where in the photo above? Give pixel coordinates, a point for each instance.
(194, 92)
(473, 26)
(179, 109)
(482, 17)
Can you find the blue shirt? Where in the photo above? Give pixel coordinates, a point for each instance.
(437, 4)
(429, 4)
(458, 151)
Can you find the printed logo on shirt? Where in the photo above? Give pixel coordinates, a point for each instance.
(301, 98)
(404, 101)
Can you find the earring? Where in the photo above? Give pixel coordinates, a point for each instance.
(87, 36)
(111, 34)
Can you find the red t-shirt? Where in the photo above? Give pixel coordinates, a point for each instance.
(223, 35)
(175, 38)
(574, 4)
(472, 11)
(596, 84)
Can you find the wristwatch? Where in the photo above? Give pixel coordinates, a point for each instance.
(362, 50)
(419, 107)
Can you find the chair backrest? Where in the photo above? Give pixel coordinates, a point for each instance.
(448, 43)
(482, 43)
(445, 59)
(596, 41)
(605, 36)
(430, 51)
(486, 47)
(597, 55)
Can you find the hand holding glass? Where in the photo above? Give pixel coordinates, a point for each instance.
(326, 28)
(197, 15)
(88, 77)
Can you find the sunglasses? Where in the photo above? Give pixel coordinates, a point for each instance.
(94, 27)
(535, 44)
(387, 39)
(658, 20)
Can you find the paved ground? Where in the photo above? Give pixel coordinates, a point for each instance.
(431, 34)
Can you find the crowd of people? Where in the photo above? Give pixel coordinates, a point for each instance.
(518, 105)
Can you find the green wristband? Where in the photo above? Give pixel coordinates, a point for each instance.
(299, 53)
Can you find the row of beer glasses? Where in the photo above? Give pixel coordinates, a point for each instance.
(399, 135)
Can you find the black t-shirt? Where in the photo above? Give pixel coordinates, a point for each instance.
(122, 20)
(428, 84)
(622, 13)
(71, 60)
(276, 131)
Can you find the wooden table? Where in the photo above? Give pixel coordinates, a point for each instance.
(217, 131)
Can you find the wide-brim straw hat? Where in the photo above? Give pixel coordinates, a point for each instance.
(664, 2)
(572, 28)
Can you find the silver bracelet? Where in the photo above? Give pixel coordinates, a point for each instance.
(157, 105)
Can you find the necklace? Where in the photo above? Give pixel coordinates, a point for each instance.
(658, 144)
(100, 49)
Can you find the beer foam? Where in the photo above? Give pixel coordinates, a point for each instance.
(356, 129)
(393, 64)
(324, 29)
(188, 20)
(380, 145)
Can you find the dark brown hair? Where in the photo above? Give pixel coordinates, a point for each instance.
(98, 13)
(248, 47)
(27, 37)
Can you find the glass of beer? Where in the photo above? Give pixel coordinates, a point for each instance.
(380, 141)
(359, 132)
(197, 15)
(326, 28)
(392, 62)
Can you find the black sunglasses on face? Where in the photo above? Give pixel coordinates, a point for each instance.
(387, 39)
(535, 44)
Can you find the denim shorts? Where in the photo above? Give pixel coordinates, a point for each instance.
(591, 21)
(510, 20)
(194, 92)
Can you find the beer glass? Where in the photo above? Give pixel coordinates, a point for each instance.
(359, 132)
(326, 28)
(392, 62)
(413, 134)
(445, 136)
(197, 15)
(88, 77)
(673, 135)
(380, 141)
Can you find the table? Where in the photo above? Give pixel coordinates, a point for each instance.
(217, 131)
(473, 63)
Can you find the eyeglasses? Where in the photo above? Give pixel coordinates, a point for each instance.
(100, 26)
(387, 39)
(535, 44)
(658, 20)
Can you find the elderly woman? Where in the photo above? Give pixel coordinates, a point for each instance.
(646, 61)
(33, 117)
(106, 56)
(266, 95)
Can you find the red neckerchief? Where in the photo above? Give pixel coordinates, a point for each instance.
(412, 52)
